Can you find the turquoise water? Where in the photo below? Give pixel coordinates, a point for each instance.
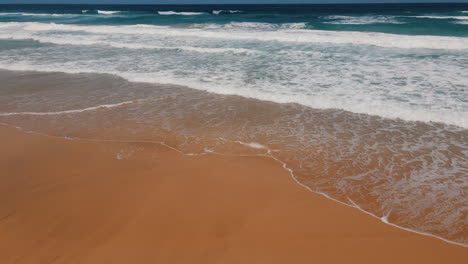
(394, 61)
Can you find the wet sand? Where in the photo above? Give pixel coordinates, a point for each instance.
(72, 201)
(410, 172)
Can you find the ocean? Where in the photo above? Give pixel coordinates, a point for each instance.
(365, 104)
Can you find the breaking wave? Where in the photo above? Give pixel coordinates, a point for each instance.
(180, 13)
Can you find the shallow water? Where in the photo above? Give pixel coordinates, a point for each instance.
(411, 173)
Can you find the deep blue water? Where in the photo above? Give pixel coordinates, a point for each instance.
(388, 18)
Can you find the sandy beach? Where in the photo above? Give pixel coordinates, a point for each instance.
(240, 133)
(73, 201)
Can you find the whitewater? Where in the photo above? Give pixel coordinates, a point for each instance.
(293, 64)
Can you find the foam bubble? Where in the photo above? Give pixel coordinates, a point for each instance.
(254, 145)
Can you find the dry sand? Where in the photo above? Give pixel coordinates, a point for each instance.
(71, 201)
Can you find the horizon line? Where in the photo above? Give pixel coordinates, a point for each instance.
(362, 3)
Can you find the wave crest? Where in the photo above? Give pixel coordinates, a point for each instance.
(361, 20)
(168, 13)
(219, 12)
(104, 12)
(442, 17)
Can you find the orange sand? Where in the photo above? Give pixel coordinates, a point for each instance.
(69, 201)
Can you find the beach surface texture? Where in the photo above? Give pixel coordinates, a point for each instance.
(72, 201)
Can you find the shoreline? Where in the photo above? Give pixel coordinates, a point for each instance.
(187, 86)
(267, 155)
(183, 119)
(255, 211)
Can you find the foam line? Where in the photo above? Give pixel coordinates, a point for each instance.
(33, 14)
(71, 111)
(218, 12)
(165, 13)
(384, 218)
(135, 46)
(361, 20)
(254, 145)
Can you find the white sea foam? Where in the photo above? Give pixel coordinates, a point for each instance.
(358, 101)
(362, 20)
(260, 26)
(361, 104)
(33, 14)
(208, 150)
(103, 12)
(165, 13)
(88, 41)
(254, 145)
(442, 17)
(217, 12)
